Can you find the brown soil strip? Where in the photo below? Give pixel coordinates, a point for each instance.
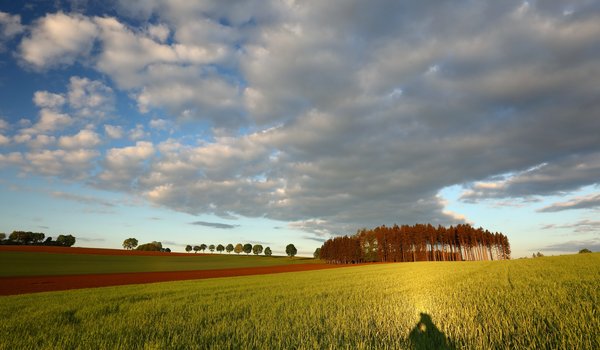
(24, 285)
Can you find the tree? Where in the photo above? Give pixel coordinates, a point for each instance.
(257, 249)
(148, 247)
(290, 250)
(247, 248)
(202, 247)
(220, 248)
(196, 249)
(188, 248)
(211, 248)
(317, 253)
(66, 241)
(229, 248)
(268, 251)
(2, 236)
(584, 251)
(238, 248)
(129, 243)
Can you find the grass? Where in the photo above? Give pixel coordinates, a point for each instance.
(43, 264)
(545, 303)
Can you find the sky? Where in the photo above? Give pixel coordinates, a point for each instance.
(277, 122)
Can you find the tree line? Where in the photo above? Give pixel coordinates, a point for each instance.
(421, 242)
(257, 249)
(36, 238)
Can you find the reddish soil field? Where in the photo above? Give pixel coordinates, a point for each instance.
(78, 250)
(23, 285)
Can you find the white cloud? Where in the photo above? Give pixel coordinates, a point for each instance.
(45, 99)
(137, 133)
(10, 27)
(83, 139)
(113, 131)
(4, 124)
(4, 140)
(122, 166)
(58, 39)
(73, 164)
(49, 121)
(91, 98)
(159, 124)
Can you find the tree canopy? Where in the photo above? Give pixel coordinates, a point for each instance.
(238, 248)
(257, 249)
(130, 243)
(291, 250)
(247, 248)
(268, 251)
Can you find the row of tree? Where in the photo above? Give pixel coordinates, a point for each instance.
(421, 242)
(257, 249)
(238, 248)
(36, 238)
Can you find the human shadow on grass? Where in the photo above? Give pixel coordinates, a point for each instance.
(426, 336)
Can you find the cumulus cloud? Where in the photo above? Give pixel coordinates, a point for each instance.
(113, 131)
(68, 164)
(58, 39)
(341, 114)
(10, 26)
(123, 165)
(83, 139)
(90, 98)
(45, 99)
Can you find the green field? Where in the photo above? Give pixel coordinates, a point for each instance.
(43, 264)
(545, 303)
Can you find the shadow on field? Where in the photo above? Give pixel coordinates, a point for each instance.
(427, 336)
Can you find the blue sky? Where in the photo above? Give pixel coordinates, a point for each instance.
(281, 122)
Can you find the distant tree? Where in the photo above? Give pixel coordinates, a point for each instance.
(150, 247)
(129, 243)
(538, 255)
(188, 248)
(165, 250)
(317, 253)
(26, 237)
(257, 249)
(203, 247)
(2, 236)
(247, 248)
(66, 241)
(290, 250)
(229, 248)
(211, 248)
(196, 249)
(584, 251)
(238, 248)
(268, 251)
(220, 248)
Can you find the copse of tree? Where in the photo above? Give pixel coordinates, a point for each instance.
(416, 243)
(128, 244)
(247, 248)
(268, 251)
(151, 247)
(65, 240)
(26, 237)
(188, 248)
(2, 236)
(203, 247)
(211, 248)
(220, 248)
(229, 248)
(317, 253)
(291, 250)
(238, 248)
(196, 249)
(584, 251)
(257, 249)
